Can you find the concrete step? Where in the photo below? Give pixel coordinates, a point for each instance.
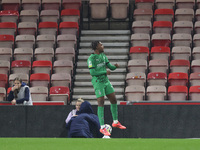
(110, 57)
(112, 77)
(105, 32)
(86, 71)
(94, 101)
(104, 38)
(106, 44)
(83, 64)
(93, 97)
(116, 51)
(89, 84)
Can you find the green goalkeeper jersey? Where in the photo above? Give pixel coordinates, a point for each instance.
(97, 64)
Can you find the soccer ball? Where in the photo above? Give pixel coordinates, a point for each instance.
(108, 128)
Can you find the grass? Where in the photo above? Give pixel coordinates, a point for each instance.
(97, 144)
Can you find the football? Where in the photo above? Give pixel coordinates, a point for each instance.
(108, 128)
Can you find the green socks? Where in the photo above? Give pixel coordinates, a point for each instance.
(100, 113)
(114, 111)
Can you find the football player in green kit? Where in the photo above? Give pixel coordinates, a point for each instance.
(97, 64)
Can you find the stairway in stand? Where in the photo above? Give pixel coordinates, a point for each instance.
(116, 48)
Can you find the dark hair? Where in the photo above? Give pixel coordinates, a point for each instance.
(94, 44)
(18, 79)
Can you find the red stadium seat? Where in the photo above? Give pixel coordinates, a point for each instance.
(162, 27)
(7, 41)
(177, 93)
(9, 16)
(180, 65)
(59, 93)
(48, 28)
(69, 28)
(70, 15)
(21, 66)
(157, 78)
(71, 4)
(139, 52)
(42, 66)
(10, 4)
(178, 78)
(40, 79)
(8, 28)
(4, 80)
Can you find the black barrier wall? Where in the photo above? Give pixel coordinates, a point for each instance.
(148, 121)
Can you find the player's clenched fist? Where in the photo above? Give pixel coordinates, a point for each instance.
(116, 65)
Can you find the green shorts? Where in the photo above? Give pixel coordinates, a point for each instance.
(103, 88)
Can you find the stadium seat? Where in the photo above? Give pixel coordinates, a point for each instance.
(61, 79)
(6, 54)
(63, 66)
(141, 27)
(136, 78)
(198, 4)
(182, 39)
(29, 28)
(44, 53)
(4, 80)
(180, 65)
(181, 52)
(21, 66)
(139, 52)
(2, 94)
(99, 9)
(178, 78)
(185, 4)
(9, 16)
(196, 40)
(31, 4)
(184, 14)
(40, 79)
(164, 15)
(51, 4)
(39, 93)
(59, 93)
(165, 4)
(29, 16)
(70, 15)
(46, 40)
(23, 76)
(196, 53)
(140, 39)
(137, 65)
(162, 27)
(194, 79)
(25, 40)
(65, 53)
(8, 28)
(71, 4)
(177, 93)
(160, 53)
(194, 93)
(143, 15)
(4, 67)
(42, 66)
(161, 39)
(23, 54)
(48, 28)
(158, 65)
(10, 5)
(197, 27)
(197, 15)
(67, 40)
(135, 93)
(7, 41)
(183, 27)
(157, 78)
(144, 4)
(195, 66)
(122, 5)
(69, 28)
(156, 93)
(49, 16)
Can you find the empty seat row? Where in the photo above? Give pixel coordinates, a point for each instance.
(66, 15)
(161, 93)
(40, 4)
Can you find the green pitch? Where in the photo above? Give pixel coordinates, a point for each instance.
(97, 144)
